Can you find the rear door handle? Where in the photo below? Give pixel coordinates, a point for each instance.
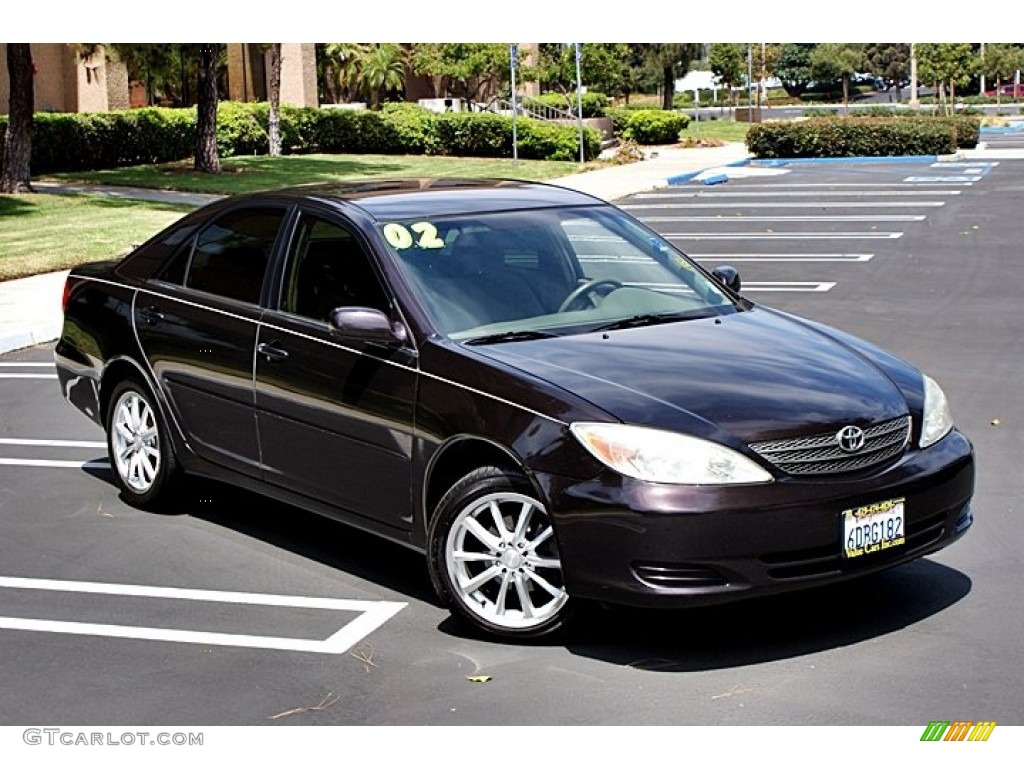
(272, 351)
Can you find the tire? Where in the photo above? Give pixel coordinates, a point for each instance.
(140, 452)
(494, 559)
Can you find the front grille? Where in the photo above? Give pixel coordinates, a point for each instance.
(821, 455)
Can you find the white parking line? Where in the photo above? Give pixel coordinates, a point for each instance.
(801, 257)
(797, 204)
(783, 235)
(815, 193)
(53, 443)
(59, 463)
(26, 365)
(790, 287)
(28, 375)
(942, 179)
(739, 219)
(373, 614)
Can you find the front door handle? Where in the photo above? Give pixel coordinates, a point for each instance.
(272, 351)
(151, 315)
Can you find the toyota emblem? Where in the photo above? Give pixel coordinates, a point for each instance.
(850, 439)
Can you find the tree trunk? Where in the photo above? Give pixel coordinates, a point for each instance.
(207, 159)
(846, 94)
(274, 121)
(16, 176)
(669, 83)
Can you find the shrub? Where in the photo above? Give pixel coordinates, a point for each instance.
(79, 142)
(595, 103)
(654, 126)
(538, 140)
(840, 137)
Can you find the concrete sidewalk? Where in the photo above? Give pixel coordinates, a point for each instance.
(30, 311)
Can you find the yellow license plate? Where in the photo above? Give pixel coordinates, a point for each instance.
(873, 528)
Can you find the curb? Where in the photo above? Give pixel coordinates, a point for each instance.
(40, 334)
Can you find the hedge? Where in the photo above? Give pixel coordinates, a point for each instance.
(595, 103)
(77, 142)
(862, 137)
(647, 126)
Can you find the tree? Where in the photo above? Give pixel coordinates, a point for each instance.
(672, 60)
(635, 74)
(837, 61)
(206, 157)
(16, 176)
(728, 62)
(470, 69)
(274, 119)
(382, 69)
(1000, 62)
(794, 67)
(604, 67)
(340, 70)
(946, 64)
(763, 59)
(890, 61)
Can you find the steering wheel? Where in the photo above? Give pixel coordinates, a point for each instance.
(586, 288)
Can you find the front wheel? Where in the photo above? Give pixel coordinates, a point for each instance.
(493, 556)
(140, 452)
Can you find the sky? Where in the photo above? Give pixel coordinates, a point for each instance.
(807, 21)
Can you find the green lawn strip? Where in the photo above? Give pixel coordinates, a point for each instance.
(44, 233)
(723, 130)
(251, 174)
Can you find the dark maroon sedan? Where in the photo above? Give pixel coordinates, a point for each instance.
(543, 395)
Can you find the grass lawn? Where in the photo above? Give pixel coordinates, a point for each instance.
(250, 174)
(723, 130)
(43, 233)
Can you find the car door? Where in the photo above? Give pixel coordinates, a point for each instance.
(335, 416)
(198, 327)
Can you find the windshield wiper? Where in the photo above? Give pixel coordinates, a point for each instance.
(511, 336)
(638, 321)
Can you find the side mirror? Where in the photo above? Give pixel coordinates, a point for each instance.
(366, 324)
(728, 276)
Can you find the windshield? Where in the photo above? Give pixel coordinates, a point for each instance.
(553, 271)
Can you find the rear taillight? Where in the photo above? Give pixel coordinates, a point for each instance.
(65, 296)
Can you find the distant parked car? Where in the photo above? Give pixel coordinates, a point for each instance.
(1011, 90)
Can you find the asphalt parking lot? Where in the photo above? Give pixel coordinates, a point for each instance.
(232, 609)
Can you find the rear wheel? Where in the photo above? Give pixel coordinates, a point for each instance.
(494, 558)
(140, 453)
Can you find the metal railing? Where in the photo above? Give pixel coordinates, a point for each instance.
(527, 107)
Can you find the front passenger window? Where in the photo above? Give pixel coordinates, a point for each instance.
(327, 269)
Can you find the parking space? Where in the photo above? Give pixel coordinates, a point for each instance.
(813, 228)
(233, 609)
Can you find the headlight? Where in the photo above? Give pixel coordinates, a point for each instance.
(937, 418)
(666, 457)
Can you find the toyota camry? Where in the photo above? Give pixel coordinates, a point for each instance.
(542, 395)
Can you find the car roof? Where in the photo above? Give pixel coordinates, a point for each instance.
(401, 198)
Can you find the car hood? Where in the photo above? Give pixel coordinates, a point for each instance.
(751, 376)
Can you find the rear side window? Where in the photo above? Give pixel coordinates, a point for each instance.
(231, 255)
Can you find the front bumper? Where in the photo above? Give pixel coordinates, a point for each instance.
(643, 544)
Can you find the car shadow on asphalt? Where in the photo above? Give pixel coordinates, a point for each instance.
(658, 640)
(768, 629)
(340, 547)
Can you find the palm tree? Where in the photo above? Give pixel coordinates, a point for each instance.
(382, 69)
(341, 70)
